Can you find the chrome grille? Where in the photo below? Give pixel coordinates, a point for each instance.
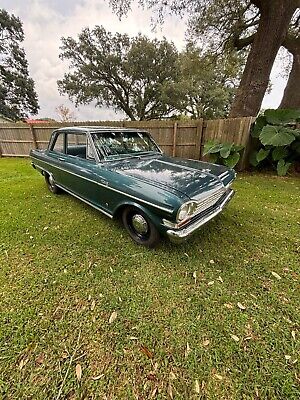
(210, 200)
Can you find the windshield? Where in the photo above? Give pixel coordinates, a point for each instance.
(118, 144)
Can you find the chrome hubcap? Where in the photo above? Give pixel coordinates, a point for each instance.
(140, 224)
(51, 180)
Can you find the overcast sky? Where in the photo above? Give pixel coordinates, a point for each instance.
(46, 21)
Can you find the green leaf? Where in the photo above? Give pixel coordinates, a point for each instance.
(282, 167)
(281, 116)
(214, 158)
(225, 150)
(259, 123)
(211, 147)
(279, 152)
(232, 160)
(296, 133)
(276, 136)
(262, 154)
(237, 147)
(253, 159)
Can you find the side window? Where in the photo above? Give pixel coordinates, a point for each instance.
(78, 146)
(58, 145)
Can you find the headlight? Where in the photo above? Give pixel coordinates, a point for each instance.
(186, 210)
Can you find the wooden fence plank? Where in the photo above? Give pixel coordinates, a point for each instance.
(174, 138)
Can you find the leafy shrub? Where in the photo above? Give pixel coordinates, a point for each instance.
(223, 153)
(278, 139)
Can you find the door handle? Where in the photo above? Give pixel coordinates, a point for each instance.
(103, 182)
(61, 159)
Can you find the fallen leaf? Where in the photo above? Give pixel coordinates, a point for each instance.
(96, 378)
(294, 335)
(197, 386)
(276, 275)
(206, 342)
(287, 357)
(187, 350)
(93, 305)
(211, 283)
(220, 279)
(78, 371)
(235, 338)
(211, 261)
(146, 351)
(133, 338)
(40, 359)
(154, 392)
(113, 317)
(172, 376)
(241, 306)
(220, 377)
(151, 377)
(170, 391)
(195, 276)
(228, 305)
(22, 363)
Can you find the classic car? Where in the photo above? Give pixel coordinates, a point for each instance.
(124, 174)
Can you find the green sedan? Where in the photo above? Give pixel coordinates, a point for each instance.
(124, 174)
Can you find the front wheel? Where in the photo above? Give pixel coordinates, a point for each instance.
(140, 228)
(51, 184)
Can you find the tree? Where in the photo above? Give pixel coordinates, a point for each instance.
(228, 19)
(291, 95)
(240, 33)
(134, 75)
(65, 114)
(17, 94)
(207, 83)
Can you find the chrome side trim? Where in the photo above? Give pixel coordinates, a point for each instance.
(168, 210)
(181, 235)
(85, 201)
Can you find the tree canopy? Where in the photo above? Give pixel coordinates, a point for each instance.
(262, 23)
(145, 78)
(129, 74)
(207, 82)
(17, 95)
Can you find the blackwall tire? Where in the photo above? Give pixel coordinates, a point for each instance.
(140, 228)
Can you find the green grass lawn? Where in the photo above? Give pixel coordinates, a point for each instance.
(214, 318)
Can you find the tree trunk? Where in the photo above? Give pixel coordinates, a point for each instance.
(271, 32)
(291, 95)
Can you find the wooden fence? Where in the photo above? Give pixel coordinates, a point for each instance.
(175, 138)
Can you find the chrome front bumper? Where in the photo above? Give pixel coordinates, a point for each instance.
(180, 235)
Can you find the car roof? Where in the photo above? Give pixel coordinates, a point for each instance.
(98, 129)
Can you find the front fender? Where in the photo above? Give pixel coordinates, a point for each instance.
(153, 217)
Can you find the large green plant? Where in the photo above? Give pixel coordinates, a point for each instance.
(223, 153)
(278, 139)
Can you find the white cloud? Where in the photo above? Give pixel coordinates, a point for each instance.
(46, 21)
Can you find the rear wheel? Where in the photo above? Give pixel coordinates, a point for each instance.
(51, 184)
(140, 228)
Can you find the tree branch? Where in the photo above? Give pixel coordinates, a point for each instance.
(240, 44)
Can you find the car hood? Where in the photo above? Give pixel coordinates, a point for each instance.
(189, 177)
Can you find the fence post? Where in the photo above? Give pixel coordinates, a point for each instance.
(33, 136)
(174, 139)
(203, 127)
(199, 136)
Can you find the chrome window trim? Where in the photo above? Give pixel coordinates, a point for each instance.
(168, 210)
